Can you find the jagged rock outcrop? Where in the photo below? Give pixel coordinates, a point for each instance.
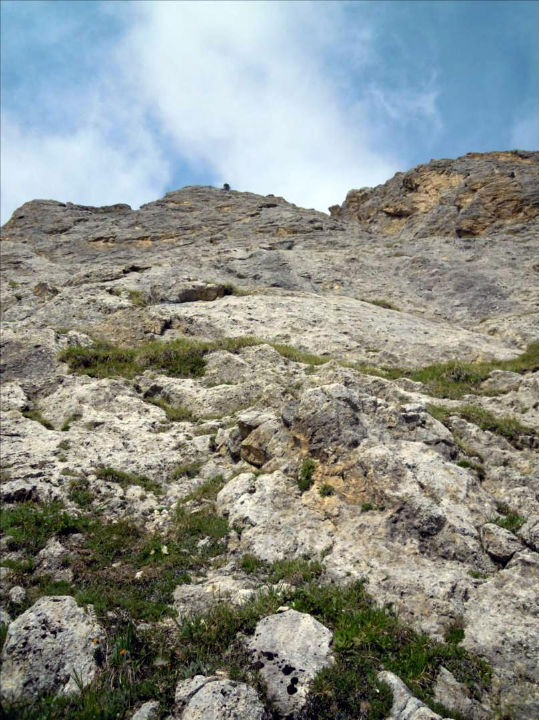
(221, 394)
(464, 198)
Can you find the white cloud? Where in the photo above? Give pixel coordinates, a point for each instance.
(525, 132)
(249, 91)
(83, 167)
(242, 87)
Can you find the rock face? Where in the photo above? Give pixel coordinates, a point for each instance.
(50, 647)
(308, 435)
(462, 198)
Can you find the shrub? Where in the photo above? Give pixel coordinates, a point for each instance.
(306, 472)
(325, 490)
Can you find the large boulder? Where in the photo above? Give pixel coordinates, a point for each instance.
(49, 648)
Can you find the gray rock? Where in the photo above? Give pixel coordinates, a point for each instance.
(49, 648)
(500, 543)
(212, 698)
(289, 648)
(17, 595)
(456, 697)
(148, 711)
(405, 705)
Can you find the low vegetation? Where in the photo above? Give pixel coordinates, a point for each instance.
(305, 475)
(183, 357)
(505, 426)
(124, 479)
(455, 379)
(174, 413)
(37, 416)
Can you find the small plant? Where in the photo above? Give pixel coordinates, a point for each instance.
(71, 419)
(36, 415)
(80, 493)
(137, 298)
(382, 303)
(476, 575)
(292, 353)
(207, 491)
(511, 522)
(367, 507)
(189, 470)
(326, 490)
(306, 472)
(29, 525)
(455, 632)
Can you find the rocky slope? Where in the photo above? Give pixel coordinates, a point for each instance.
(221, 411)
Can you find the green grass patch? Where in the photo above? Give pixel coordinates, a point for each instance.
(454, 379)
(124, 479)
(189, 470)
(37, 416)
(183, 357)
(138, 298)
(292, 353)
(305, 475)
(512, 522)
(80, 492)
(30, 525)
(368, 639)
(174, 413)
(66, 425)
(507, 427)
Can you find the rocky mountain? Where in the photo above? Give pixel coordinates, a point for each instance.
(263, 462)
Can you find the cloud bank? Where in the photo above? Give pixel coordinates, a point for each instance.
(245, 93)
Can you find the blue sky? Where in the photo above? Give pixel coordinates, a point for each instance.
(107, 102)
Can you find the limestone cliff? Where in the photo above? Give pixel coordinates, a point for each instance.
(221, 411)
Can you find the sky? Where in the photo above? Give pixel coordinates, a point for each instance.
(106, 102)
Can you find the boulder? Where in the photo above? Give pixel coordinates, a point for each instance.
(49, 648)
(214, 698)
(290, 648)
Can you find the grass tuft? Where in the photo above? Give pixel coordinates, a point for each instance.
(37, 416)
(124, 480)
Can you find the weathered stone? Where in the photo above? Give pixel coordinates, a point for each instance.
(405, 705)
(289, 648)
(49, 648)
(212, 698)
(456, 696)
(148, 711)
(499, 542)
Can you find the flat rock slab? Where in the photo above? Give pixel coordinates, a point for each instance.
(290, 648)
(49, 648)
